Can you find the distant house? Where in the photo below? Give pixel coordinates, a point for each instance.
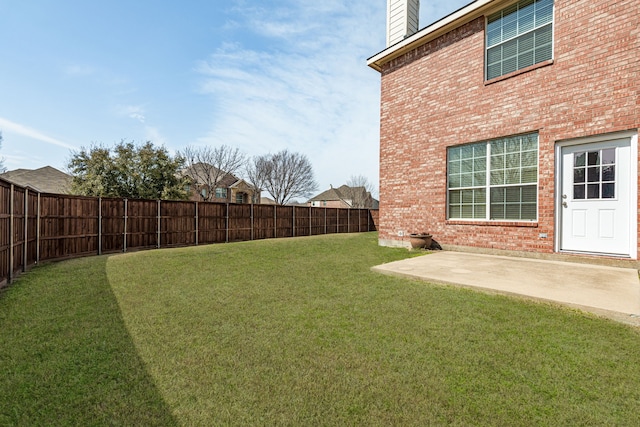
(344, 197)
(45, 180)
(207, 183)
(267, 201)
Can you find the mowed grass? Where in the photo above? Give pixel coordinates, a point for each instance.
(298, 332)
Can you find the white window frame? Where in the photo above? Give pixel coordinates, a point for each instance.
(487, 186)
(221, 193)
(518, 35)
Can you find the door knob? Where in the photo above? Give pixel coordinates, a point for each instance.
(564, 204)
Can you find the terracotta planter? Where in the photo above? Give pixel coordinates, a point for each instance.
(420, 241)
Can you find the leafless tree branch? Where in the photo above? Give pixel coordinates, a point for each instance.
(360, 189)
(207, 166)
(284, 175)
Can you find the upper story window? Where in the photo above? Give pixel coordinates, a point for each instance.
(519, 36)
(221, 193)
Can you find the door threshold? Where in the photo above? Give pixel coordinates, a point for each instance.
(595, 254)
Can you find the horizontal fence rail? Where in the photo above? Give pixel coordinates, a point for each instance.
(37, 227)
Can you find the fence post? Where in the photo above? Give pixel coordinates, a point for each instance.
(337, 220)
(252, 236)
(293, 221)
(275, 221)
(310, 228)
(368, 218)
(197, 224)
(26, 233)
(325, 220)
(38, 230)
(11, 201)
(124, 247)
(227, 225)
(99, 225)
(159, 225)
(349, 221)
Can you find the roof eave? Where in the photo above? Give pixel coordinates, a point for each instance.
(438, 28)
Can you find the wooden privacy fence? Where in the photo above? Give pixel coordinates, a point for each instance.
(37, 227)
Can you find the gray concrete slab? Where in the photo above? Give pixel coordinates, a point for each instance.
(609, 291)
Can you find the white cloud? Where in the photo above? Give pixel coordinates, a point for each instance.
(135, 112)
(12, 127)
(313, 94)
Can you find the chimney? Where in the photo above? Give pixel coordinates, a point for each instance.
(402, 19)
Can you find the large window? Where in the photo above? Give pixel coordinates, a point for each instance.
(494, 180)
(519, 36)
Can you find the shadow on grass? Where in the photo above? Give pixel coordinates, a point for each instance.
(66, 357)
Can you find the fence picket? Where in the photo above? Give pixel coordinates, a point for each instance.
(25, 245)
(11, 239)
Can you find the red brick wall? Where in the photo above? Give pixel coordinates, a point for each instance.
(435, 96)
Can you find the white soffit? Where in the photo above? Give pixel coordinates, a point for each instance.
(457, 18)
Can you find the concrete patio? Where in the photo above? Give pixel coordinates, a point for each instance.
(613, 292)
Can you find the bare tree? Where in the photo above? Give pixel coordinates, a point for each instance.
(284, 175)
(256, 172)
(207, 166)
(359, 192)
(361, 181)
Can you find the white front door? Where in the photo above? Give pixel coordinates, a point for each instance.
(596, 199)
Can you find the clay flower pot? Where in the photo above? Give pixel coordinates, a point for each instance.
(420, 240)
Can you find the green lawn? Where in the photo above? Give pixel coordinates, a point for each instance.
(297, 332)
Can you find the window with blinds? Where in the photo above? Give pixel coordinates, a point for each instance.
(221, 193)
(519, 36)
(494, 180)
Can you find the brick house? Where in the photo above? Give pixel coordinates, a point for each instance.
(344, 197)
(512, 125)
(207, 183)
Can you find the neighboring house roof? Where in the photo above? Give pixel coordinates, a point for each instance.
(330, 194)
(46, 179)
(241, 184)
(344, 194)
(199, 171)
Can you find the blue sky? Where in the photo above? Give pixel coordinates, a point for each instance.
(258, 75)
